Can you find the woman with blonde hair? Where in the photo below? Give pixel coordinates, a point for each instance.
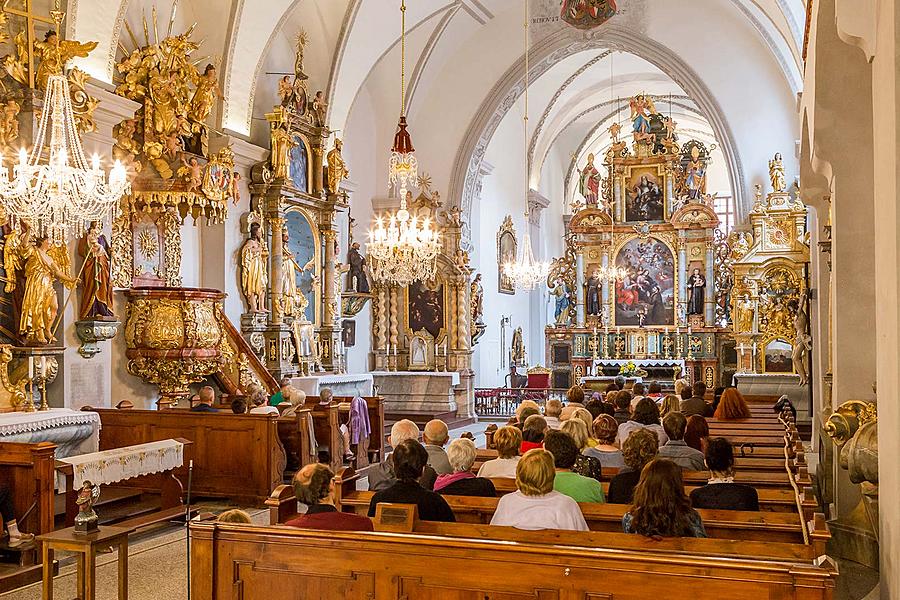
(669, 404)
(585, 465)
(535, 505)
(605, 428)
(507, 441)
(680, 385)
(732, 406)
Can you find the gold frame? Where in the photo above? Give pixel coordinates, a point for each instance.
(662, 174)
(430, 351)
(619, 242)
(317, 254)
(442, 332)
(507, 226)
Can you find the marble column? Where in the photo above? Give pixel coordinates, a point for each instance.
(579, 287)
(681, 307)
(710, 301)
(276, 266)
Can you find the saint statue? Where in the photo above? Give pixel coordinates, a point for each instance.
(589, 183)
(337, 168)
(642, 108)
(776, 173)
(295, 302)
(695, 175)
(477, 300)
(802, 339)
(205, 95)
(744, 318)
(592, 299)
(696, 284)
(39, 304)
(254, 278)
(358, 281)
(279, 156)
(517, 352)
(96, 293)
(54, 55)
(563, 302)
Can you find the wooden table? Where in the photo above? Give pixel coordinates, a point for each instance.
(86, 547)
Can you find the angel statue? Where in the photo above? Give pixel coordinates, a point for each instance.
(44, 265)
(254, 279)
(776, 173)
(205, 94)
(86, 521)
(477, 291)
(55, 53)
(802, 339)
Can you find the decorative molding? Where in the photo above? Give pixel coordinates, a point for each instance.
(537, 202)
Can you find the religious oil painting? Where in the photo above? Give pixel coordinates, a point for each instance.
(644, 196)
(778, 357)
(300, 164)
(507, 246)
(646, 295)
(425, 308)
(301, 243)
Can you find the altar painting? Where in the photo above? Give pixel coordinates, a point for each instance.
(645, 195)
(778, 357)
(646, 296)
(425, 308)
(507, 248)
(302, 244)
(299, 161)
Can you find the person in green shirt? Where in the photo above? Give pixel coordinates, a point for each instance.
(565, 451)
(278, 397)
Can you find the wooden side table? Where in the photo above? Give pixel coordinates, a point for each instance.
(86, 547)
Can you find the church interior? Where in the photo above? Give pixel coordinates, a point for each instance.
(388, 299)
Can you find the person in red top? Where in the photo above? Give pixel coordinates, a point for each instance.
(533, 431)
(314, 486)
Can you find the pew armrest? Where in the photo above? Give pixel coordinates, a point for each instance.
(282, 505)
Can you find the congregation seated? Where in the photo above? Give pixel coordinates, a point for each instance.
(620, 382)
(280, 396)
(639, 448)
(259, 402)
(654, 390)
(595, 405)
(721, 492)
(314, 486)
(644, 416)
(462, 482)
(668, 405)
(205, 400)
(691, 405)
(585, 417)
(584, 464)
(552, 411)
(525, 409)
(295, 398)
(535, 504)
(239, 406)
(533, 431)
(409, 460)
(676, 449)
(638, 390)
(381, 476)
(575, 395)
(434, 437)
(696, 432)
(235, 515)
(732, 406)
(661, 508)
(622, 402)
(507, 441)
(605, 429)
(680, 386)
(567, 481)
(16, 537)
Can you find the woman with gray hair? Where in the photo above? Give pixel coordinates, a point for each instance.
(462, 482)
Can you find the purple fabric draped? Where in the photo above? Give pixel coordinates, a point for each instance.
(359, 420)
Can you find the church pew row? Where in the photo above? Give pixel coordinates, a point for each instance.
(244, 561)
(239, 457)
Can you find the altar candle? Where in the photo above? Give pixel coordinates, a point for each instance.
(595, 330)
(30, 368)
(689, 330)
(43, 366)
(395, 349)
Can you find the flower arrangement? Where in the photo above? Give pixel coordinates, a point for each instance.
(630, 369)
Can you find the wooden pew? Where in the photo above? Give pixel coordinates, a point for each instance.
(239, 457)
(293, 431)
(245, 561)
(371, 449)
(327, 421)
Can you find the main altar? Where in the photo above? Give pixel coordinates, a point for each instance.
(639, 278)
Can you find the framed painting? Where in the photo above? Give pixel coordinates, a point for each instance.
(299, 164)
(425, 304)
(646, 296)
(645, 195)
(507, 248)
(303, 244)
(777, 357)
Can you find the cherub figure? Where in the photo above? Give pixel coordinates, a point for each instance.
(193, 172)
(235, 187)
(285, 89)
(173, 144)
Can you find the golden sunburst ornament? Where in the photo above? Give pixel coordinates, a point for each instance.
(148, 244)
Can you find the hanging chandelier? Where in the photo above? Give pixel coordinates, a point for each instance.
(53, 189)
(526, 272)
(401, 248)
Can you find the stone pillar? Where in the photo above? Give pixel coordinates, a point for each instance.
(579, 287)
(710, 301)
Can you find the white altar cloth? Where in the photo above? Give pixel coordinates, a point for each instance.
(117, 464)
(641, 362)
(351, 384)
(13, 423)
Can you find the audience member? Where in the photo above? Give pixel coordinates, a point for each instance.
(565, 453)
(637, 392)
(669, 404)
(535, 504)
(524, 414)
(568, 411)
(258, 401)
(594, 406)
(533, 433)
(314, 487)
(732, 406)
(623, 407)
(605, 429)
(611, 387)
(409, 460)
(585, 417)
(205, 400)
(699, 390)
(522, 406)
(552, 411)
(639, 448)
(654, 390)
(7, 511)
(696, 432)
(644, 416)
(721, 492)
(676, 449)
(575, 395)
(717, 396)
(239, 406)
(620, 382)
(235, 515)
(507, 441)
(680, 385)
(325, 396)
(381, 476)
(434, 436)
(279, 396)
(462, 482)
(296, 398)
(584, 464)
(661, 508)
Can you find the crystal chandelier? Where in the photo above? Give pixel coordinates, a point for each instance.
(401, 248)
(612, 273)
(63, 195)
(526, 272)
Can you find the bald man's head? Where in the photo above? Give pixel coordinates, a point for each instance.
(436, 433)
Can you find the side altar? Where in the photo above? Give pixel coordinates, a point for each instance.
(639, 277)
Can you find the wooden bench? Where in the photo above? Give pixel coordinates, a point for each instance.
(239, 457)
(468, 562)
(326, 425)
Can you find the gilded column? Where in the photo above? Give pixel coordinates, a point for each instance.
(681, 308)
(329, 314)
(579, 286)
(276, 265)
(463, 340)
(455, 325)
(318, 170)
(710, 299)
(378, 317)
(604, 289)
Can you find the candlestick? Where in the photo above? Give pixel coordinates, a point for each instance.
(29, 400)
(44, 404)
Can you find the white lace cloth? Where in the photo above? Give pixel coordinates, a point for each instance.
(110, 466)
(13, 423)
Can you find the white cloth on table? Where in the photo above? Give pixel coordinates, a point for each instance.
(117, 464)
(13, 423)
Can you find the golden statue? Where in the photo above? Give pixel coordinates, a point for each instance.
(55, 53)
(253, 270)
(43, 266)
(744, 315)
(517, 352)
(776, 174)
(281, 152)
(205, 94)
(337, 168)
(9, 123)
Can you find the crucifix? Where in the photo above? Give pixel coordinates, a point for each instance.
(30, 19)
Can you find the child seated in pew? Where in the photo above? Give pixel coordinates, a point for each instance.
(507, 441)
(314, 486)
(235, 515)
(638, 449)
(565, 451)
(462, 482)
(408, 461)
(721, 492)
(661, 508)
(535, 504)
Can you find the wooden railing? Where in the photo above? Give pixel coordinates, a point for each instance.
(245, 367)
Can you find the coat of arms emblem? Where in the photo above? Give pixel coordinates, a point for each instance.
(587, 14)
